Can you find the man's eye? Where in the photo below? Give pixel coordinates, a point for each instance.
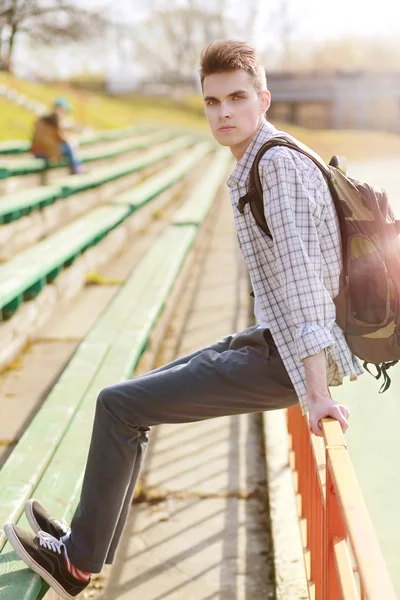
(211, 102)
(238, 97)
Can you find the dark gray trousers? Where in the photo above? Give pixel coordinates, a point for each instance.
(241, 373)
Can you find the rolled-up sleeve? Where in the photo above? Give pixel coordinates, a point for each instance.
(292, 212)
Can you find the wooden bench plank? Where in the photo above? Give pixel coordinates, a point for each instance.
(123, 146)
(17, 205)
(23, 146)
(74, 184)
(156, 184)
(37, 165)
(36, 263)
(199, 202)
(15, 147)
(113, 134)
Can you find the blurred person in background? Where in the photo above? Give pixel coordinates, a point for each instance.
(50, 140)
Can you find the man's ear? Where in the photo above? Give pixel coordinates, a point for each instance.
(265, 100)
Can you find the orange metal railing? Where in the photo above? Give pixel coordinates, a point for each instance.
(342, 556)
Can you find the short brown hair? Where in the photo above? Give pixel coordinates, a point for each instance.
(232, 55)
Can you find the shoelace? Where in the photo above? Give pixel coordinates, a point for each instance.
(62, 525)
(51, 543)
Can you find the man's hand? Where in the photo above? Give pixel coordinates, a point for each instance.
(327, 407)
(320, 402)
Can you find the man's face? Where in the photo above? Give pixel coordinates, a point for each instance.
(233, 108)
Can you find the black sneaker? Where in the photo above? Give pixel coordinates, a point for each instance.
(47, 556)
(40, 520)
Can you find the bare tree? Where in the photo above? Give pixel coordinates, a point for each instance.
(46, 22)
(352, 53)
(168, 40)
(286, 21)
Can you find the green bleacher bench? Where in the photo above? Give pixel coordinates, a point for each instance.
(109, 353)
(199, 203)
(15, 147)
(75, 184)
(18, 204)
(153, 186)
(24, 146)
(23, 277)
(31, 166)
(124, 146)
(115, 134)
(108, 135)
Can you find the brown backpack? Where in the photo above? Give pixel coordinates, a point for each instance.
(368, 303)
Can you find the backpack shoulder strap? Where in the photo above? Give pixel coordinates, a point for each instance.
(255, 191)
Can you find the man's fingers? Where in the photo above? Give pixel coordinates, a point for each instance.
(341, 413)
(347, 412)
(315, 426)
(338, 412)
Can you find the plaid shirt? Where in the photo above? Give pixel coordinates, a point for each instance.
(295, 275)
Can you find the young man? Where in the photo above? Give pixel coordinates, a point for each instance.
(292, 356)
(49, 137)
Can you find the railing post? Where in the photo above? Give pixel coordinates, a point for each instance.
(320, 581)
(312, 523)
(335, 530)
(318, 457)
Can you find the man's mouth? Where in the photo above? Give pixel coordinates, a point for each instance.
(226, 128)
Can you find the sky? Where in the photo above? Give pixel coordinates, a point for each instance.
(315, 21)
(319, 19)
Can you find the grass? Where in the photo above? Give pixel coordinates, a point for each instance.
(99, 111)
(15, 122)
(93, 110)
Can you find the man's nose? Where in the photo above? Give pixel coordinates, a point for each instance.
(224, 110)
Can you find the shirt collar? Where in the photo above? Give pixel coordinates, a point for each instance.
(239, 175)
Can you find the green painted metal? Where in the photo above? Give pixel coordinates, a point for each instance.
(34, 289)
(53, 274)
(10, 307)
(3, 172)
